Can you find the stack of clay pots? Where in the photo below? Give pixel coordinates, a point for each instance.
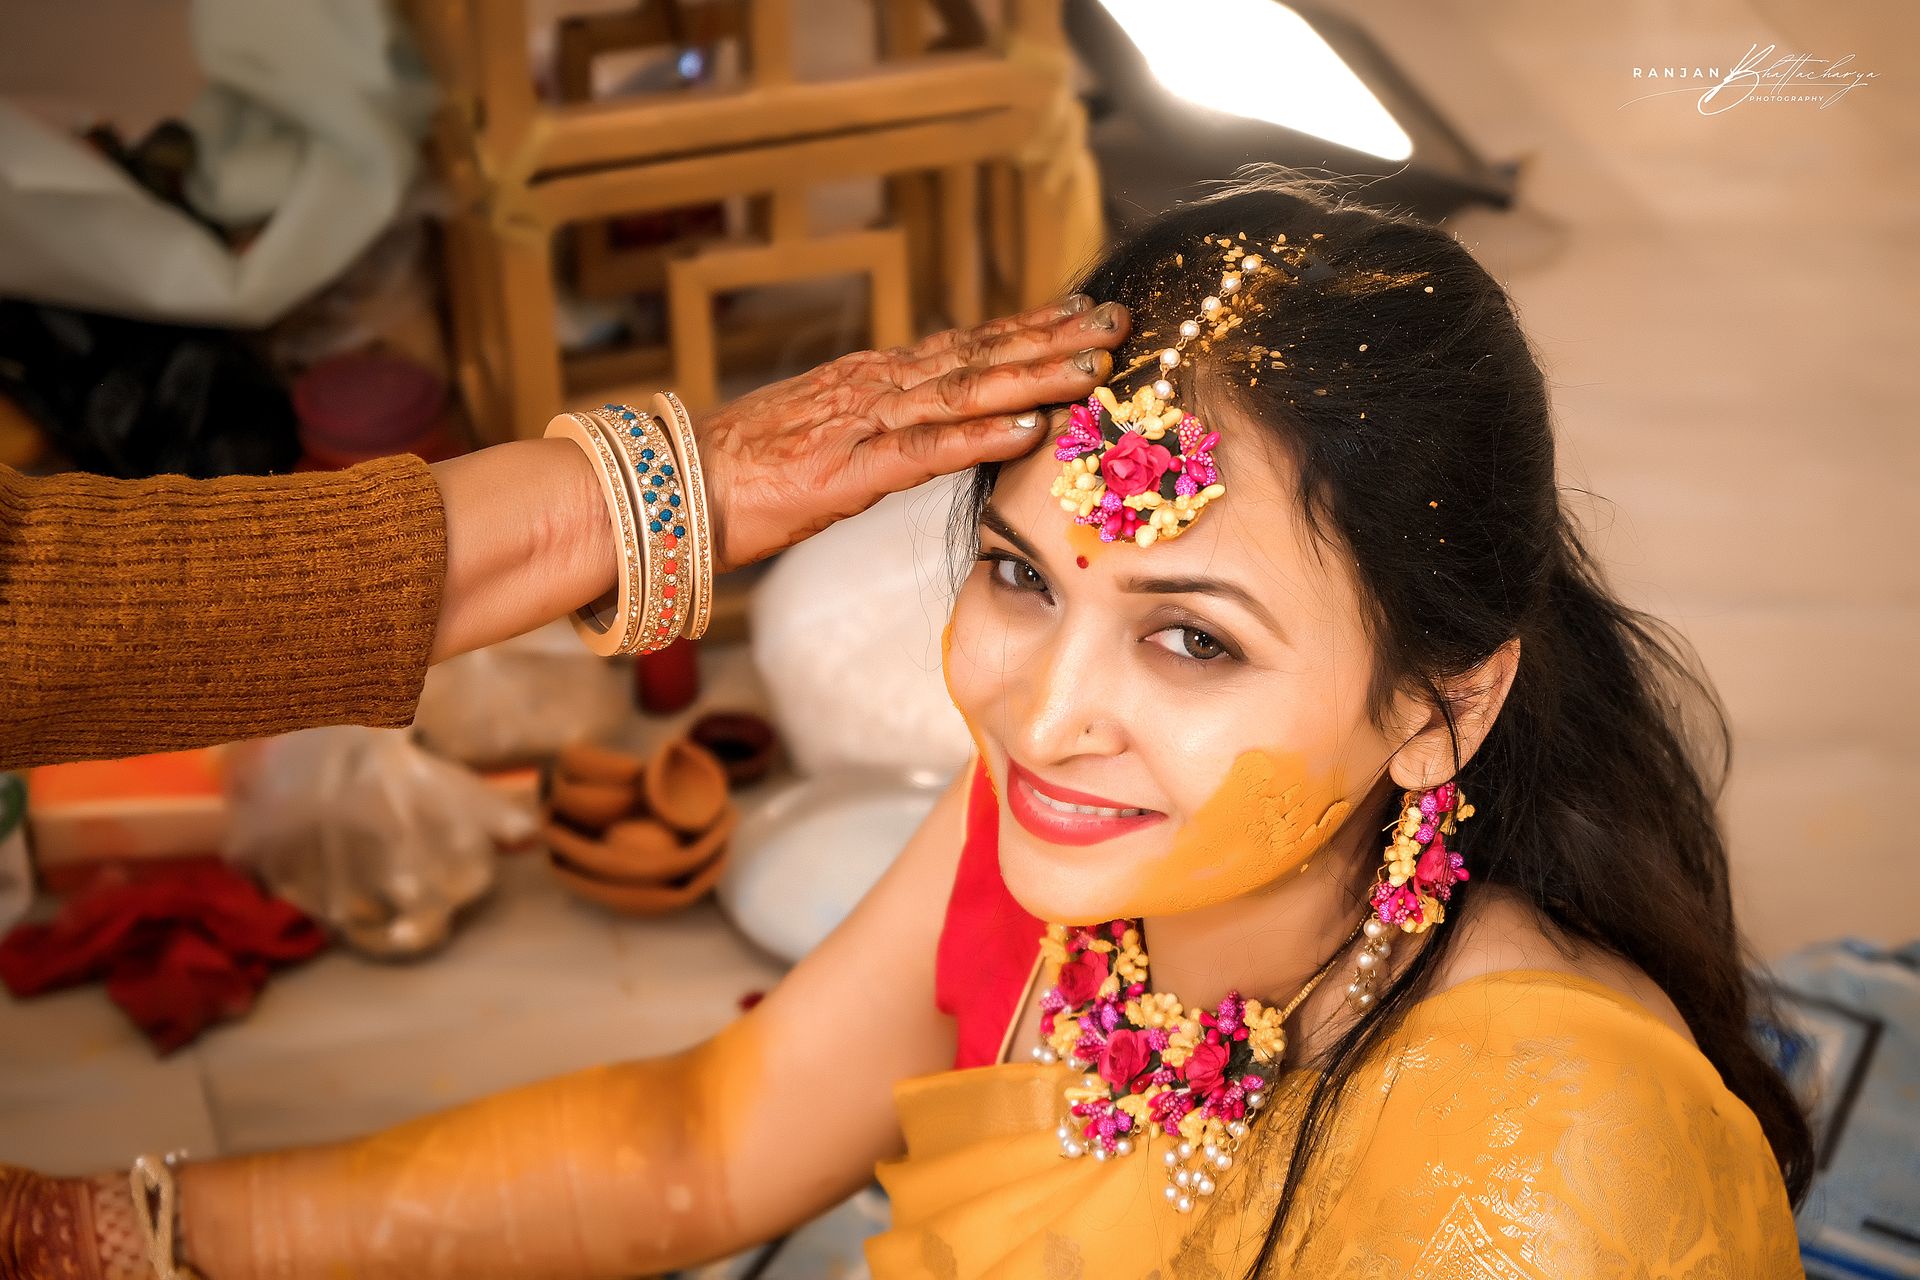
(644, 836)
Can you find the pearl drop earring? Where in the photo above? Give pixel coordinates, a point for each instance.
(1416, 878)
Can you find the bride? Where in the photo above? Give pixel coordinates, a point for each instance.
(1334, 894)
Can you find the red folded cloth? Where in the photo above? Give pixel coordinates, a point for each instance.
(180, 948)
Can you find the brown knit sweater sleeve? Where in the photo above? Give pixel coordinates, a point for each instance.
(154, 615)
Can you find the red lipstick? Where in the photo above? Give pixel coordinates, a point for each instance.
(1059, 815)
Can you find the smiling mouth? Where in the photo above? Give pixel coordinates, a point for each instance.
(1062, 816)
(1098, 811)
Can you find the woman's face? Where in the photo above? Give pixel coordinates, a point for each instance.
(1206, 697)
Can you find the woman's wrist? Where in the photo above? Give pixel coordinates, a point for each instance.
(577, 535)
(527, 541)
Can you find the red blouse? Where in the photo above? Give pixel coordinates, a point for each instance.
(988, 943)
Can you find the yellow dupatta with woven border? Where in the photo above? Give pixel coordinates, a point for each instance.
(1524, 1124)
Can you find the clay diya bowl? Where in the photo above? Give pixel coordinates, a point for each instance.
(640, 899)
(585, 762)
(592, 805)
(638, 850)
(742, 742)
(684, 787)
(574, 860)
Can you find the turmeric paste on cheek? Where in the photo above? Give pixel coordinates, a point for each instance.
(1266, 820)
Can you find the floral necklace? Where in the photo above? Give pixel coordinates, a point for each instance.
(1194, 1075)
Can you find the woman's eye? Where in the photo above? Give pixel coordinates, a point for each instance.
(1016, 575)
(1190, 642)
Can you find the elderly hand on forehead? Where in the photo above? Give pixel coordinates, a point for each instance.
(788, 460)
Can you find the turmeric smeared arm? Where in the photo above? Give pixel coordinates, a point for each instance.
(606, 1172)
(626, 1169)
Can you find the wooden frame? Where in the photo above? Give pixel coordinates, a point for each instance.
(692, 284)
(957, 135)
(601, 268)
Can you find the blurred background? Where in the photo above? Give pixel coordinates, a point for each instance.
(256, 236)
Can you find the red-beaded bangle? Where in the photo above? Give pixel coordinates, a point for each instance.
(698, 575)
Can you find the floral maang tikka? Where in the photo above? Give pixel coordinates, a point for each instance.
(1139, 467)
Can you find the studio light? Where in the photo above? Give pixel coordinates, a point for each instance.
(1294, 79)
(1183, 92)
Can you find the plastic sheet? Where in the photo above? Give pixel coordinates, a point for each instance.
(522, 699)
(368, 832)
(310, 124)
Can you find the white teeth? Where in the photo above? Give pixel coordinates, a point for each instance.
(1092, 811)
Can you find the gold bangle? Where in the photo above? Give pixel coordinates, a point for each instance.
(151, 1180)
(608, 633)
(661, 512)
(699, 575)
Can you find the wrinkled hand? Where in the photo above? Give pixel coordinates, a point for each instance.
(786, 461)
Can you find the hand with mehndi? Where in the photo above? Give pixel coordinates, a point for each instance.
(81, 1228)
(528, 538)
(786, 461)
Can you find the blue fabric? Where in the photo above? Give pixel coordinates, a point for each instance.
(1852, 1053)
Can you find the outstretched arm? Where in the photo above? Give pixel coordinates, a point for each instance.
(618, 1170)
(627, 1169)
(527, 535)
(155, 615)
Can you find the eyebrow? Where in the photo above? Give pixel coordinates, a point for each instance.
(991, 517)
(1217, 587)
(1153, 586)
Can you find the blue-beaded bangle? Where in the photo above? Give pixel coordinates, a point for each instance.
(658, 489)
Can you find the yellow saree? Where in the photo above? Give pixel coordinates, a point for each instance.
(1520, 1124)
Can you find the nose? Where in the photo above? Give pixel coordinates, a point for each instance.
(1067, 710)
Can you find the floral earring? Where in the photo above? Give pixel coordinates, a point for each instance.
(1415, 880)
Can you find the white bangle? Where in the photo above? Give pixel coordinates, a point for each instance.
(611, 624)
(151, 1179)
(656, 499)
(699, 574)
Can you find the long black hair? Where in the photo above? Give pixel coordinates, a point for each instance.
(1393, 369)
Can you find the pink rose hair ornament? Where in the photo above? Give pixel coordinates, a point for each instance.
(1140, 468)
